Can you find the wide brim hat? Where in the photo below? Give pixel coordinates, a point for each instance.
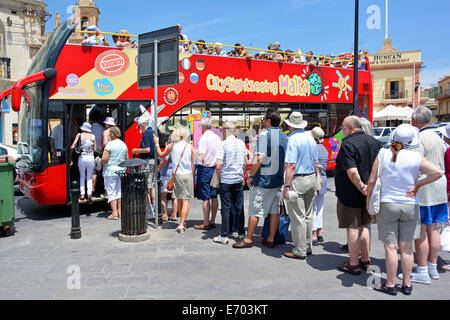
(110, 121)
(296, 121)
(446, 131)
(86, 127)
(407, 135)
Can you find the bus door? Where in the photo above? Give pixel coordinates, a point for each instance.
(77, 113)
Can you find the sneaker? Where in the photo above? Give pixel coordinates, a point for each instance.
(433, 273)
(241, 236)
(220, 239)
(418, 278)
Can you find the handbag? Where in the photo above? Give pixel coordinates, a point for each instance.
(283, 227)
(170, 183)
(215, 183)
(445, 239)
(78, 146)
(374, 201)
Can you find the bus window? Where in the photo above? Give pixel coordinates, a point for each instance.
(56, 132)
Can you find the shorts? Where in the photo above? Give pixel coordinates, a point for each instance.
(398, 222)
(263, 202)
(204, 189)
(183, 186)
(150, 166)
(164, 181)
(434, 214)
(113, 188)
(350, 217)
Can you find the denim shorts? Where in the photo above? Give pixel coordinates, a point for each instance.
(204, 189)
(434, 214)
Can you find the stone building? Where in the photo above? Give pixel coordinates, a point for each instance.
(396, 77)
(443, 99)
(22, 25)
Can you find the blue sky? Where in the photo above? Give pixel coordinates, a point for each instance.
(323, 26)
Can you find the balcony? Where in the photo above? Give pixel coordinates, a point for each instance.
(399, 95)
(5, 68)
(443, 94)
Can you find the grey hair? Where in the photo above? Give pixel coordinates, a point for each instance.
(367, 127)
(218, 45)
(355, 122)
(206, 122)
(422, 115)
(228, 128)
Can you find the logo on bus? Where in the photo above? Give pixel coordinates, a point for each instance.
(111, 63)
(171, 96)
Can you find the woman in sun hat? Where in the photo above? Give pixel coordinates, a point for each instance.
(398, 218)
(86, 159)
(317, 215)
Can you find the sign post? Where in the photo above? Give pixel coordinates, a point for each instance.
(158, 66)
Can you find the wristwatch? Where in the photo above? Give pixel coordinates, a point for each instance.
(362, 188)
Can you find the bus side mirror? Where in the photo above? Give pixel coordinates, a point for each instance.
(16, 91)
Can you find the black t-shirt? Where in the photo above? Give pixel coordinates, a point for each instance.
(358, 150)
(147, 142)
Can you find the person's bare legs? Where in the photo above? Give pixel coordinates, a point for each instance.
(407, 261)
(184, 211)
(206, 209)
(364, 236)
(391, 264)
(422, 247)
(164, 204)
(252, 223)
(354, 245)
(214, 208)
(434, 243)
(113, 205)
(274, 221)
(174, 208)
(119, 207)
(94, 182)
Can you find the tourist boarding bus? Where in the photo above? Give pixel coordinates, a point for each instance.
(66, 82)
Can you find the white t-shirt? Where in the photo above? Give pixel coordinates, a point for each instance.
(397, 178)
(432, 148)
(208, 145)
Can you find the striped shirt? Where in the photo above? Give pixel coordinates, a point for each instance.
(232, 153)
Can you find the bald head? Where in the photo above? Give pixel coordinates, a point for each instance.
(351, 124)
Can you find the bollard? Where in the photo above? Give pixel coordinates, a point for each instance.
(75, 232)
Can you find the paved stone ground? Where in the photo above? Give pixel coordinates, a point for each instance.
(34, 262)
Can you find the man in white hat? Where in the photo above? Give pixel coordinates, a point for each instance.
(146, 151)
(301, 164)
(109, 123)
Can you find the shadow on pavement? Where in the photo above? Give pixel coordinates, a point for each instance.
(30, 210)
(332, 247)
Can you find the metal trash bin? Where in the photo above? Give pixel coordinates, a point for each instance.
(7, 210)
(133, 204)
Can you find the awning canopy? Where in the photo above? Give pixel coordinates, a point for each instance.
(392, 112)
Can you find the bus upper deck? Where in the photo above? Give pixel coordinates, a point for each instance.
(228, 88)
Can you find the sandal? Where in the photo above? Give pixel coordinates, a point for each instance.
(82, 198)
(173, 219)
(346, 267)
(180, 229)
(165, 219)
(364, 264)
(113, 217)
(343, 247)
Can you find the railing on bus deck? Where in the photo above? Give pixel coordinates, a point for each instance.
(340, 60)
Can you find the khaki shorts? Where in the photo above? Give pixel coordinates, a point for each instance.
(183, 186)
(150, 166)
(398, 222)
(354, 218)
(263, 202)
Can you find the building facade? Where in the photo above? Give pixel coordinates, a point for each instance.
(22, 24)
(443, 99)
(396, 77)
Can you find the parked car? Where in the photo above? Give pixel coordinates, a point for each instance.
(9, 151)
(382, 134)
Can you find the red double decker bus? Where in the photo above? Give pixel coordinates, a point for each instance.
(105, 78)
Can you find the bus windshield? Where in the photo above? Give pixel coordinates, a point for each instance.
(30, 133)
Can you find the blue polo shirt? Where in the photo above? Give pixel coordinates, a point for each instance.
(302, 151)
(272, 144)
(147, 142)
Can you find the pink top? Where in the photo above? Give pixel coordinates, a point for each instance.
(208, 145)
(447, 168)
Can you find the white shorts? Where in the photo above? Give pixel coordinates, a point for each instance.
(263, 202)
(112, 186)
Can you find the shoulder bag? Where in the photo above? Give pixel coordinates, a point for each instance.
(374, 201)
(78, 146)
(170, 183)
